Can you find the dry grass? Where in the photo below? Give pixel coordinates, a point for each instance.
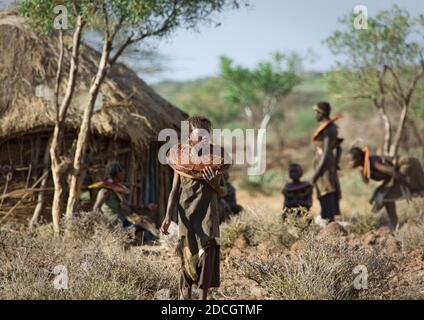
(321, 270)
(99, 265)
(322, 267)
(255, 225)
(411, 230)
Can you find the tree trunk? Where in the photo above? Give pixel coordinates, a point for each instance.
(249, 116)
(56, 151)
(402, 121)
(58, 196)
(261, 145)
(387, 130)
(78, 163)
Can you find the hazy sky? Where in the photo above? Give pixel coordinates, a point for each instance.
(251, 34)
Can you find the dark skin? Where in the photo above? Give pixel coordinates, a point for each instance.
(381, 171)
(326, 149)
(127, 209)
(101, 200)
(213, 179)
(295, 176)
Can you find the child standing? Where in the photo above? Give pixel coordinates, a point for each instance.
(196, 202)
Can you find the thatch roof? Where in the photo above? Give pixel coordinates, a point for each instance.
(128, 108)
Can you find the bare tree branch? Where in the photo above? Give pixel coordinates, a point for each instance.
(76, 42)
(59, 75)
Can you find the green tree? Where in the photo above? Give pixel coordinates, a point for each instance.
(122, 23)
(206, 96)
(383, 64)
(258, 92)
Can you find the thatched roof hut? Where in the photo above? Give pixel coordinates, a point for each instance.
(127, 119)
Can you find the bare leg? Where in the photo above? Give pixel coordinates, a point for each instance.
(203, 294)
(186, 293)
(391, 212)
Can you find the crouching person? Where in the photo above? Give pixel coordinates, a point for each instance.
(228, 200)
(297, 193)
(111, 201)
(401, 177)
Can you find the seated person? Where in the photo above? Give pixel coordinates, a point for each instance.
(297, 193)
(402, 178)
(110, 200)
(228, 201)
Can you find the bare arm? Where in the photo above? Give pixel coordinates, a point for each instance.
(384, 168)
(390, 170)
(101, 199)
(172, 203)
(213, 178)
(338, 156)
(320, 167)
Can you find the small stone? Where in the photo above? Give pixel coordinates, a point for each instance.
(257, 293)
(241, 242)
(383, 231)
(163, 294)
(369, 238)
(389, 244)
(234, 252)
(299, 245)
(333, 229)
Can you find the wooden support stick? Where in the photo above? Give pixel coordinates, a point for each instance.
(4, 193)
(20, 192)
(36, 156)
(28, 175)
(23, 197)
(41, 196)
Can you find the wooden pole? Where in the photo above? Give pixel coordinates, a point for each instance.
(41, 195)
(23, 197)
(4, 193)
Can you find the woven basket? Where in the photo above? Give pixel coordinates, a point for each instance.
(217, 159)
